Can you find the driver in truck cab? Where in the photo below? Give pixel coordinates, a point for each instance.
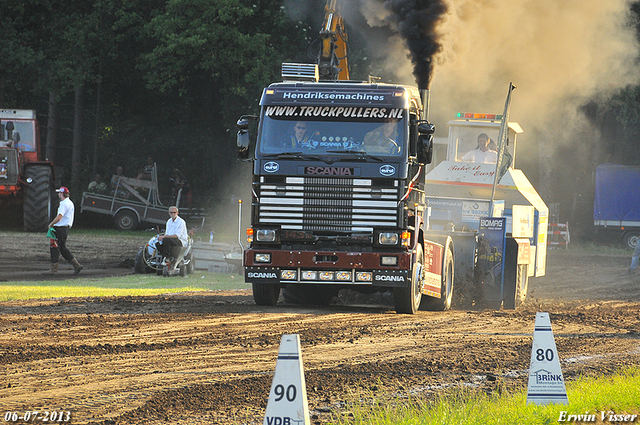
(385, 136)
(301, 135)
(483, 152)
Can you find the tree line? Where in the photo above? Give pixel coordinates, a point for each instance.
(116, 81)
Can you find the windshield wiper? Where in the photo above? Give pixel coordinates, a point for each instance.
(359, 155)
(292, 155)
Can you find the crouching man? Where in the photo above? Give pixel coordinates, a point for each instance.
(175, 235)
(61, 224)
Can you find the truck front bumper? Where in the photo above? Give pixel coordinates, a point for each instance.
(328, 267)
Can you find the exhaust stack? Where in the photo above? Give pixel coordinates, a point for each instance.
(425, 96)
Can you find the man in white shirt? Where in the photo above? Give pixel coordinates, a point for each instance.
(61, 224)
(482, 153)
(175, 234)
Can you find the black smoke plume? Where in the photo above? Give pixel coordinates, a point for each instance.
(417, 21)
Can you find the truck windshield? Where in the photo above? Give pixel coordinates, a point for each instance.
(23, 134)
(379, 138)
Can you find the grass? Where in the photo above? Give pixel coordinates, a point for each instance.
(130, 285)
(618, 393)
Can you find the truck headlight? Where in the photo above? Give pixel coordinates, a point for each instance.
(262, 257)
(388, 238)
(343, 276)
(288, 274)
(389, 261)
(364, 276)
(265, 235)
(309, 275)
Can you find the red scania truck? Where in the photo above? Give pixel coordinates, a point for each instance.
(344, 204)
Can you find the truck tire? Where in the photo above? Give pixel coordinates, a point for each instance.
(265, 293)
(516, 295)
(446, 287)
(407, 299)
(630, 239)
(38, 198)
(306, 294)
(126, 220)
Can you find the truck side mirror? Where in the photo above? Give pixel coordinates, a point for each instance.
(425, 148)
(242, 139)
(9, 127)
(425, 142)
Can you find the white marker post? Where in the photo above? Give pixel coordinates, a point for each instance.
(546, 384)
(287, 403)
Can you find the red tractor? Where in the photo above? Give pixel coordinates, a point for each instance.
(25, 178)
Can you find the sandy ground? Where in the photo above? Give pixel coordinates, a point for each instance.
(209, 357)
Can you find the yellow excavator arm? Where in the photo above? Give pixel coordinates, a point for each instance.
(332, 61)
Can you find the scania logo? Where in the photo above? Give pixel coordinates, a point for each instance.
(390, 278)
(387, 170)
(271, 167)
(329, 171)
(257, 275)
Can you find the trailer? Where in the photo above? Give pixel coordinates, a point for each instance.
(127, 205)
(616, 206)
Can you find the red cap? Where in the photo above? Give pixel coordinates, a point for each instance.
(63, 190)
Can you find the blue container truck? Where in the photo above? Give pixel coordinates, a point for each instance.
(616, 206)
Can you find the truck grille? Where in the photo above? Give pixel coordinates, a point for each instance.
(328, 204)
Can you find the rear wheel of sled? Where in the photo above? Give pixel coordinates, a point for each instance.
(516, 294)
(266, 293)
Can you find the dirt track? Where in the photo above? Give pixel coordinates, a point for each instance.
(209, 357)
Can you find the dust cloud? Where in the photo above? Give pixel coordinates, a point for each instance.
(559, 54)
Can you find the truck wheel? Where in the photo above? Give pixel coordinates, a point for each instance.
(446, 287)
(38, 199)
(126, 220)
(308, 294)
(630, 239)
(407, 299)
(265, 293)
(517, 294)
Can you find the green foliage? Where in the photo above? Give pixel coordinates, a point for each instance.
(174, 75)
